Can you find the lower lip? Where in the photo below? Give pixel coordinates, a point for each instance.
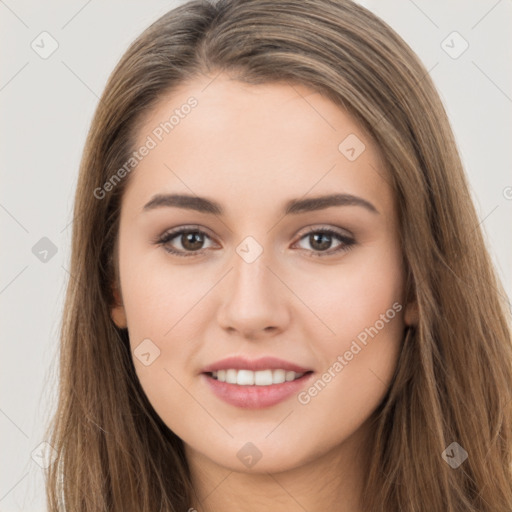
(255, 397)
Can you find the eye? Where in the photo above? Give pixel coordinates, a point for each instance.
(189, 239)
(321, 240)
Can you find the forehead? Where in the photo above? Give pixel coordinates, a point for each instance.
(274, 141)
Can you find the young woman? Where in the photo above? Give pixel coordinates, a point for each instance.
(281, 298)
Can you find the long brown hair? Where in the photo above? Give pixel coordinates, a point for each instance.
(453, 382)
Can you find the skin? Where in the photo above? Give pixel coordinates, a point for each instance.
(251, 149)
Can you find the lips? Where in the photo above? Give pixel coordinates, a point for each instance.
(255, 384)
(264, 363)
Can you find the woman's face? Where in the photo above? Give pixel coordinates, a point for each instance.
(270, 335)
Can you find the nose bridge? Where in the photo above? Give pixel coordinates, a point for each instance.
(254, 300)
(251, 277)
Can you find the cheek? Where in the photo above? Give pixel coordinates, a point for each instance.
(164, 305)
(351, 386)
(158, 295)
(367, 288)
(364, 309)
(362, 313)
(159, 305)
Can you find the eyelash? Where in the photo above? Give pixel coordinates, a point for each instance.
(347, 242)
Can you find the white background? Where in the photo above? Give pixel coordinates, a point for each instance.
(47, 106)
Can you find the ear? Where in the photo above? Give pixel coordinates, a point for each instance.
(411, 315)
(118, 313)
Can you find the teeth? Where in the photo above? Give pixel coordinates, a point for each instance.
(263, 378)
(259, 378)
(279, 376)
(290, 376)
(231, 376)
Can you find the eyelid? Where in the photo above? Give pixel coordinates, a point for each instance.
(169, 234)
(326, 228)
(347, 239)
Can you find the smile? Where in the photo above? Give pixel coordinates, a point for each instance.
(252, 389)
(255, 378)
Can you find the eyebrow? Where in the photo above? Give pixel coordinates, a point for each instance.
(294, 206)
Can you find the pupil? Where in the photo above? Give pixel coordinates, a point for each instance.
(321, 246)
(189, 241)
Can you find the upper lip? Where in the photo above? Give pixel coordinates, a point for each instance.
(263, 363)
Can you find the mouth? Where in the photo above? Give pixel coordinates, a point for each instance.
(268, 377)
(256, 384)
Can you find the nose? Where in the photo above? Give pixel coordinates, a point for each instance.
(255, 302)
